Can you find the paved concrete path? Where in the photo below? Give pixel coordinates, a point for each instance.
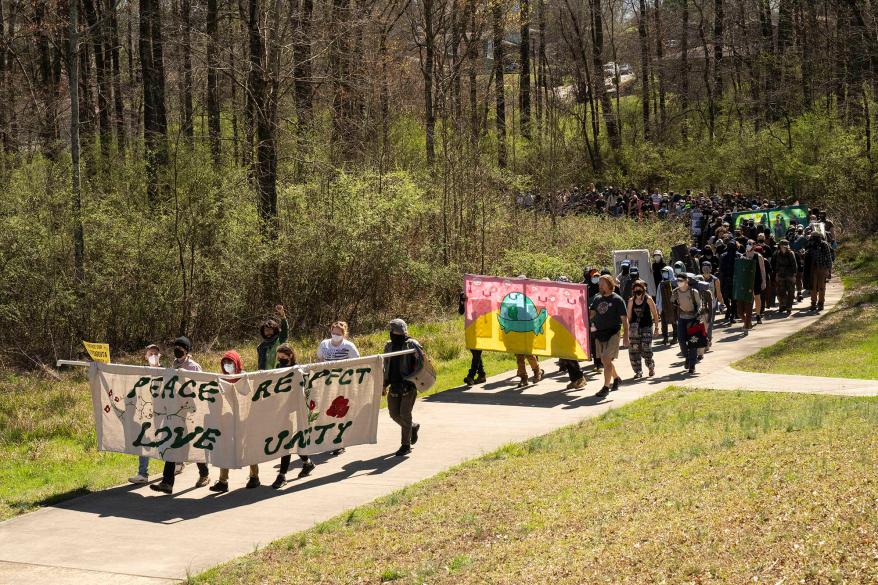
(130, 535)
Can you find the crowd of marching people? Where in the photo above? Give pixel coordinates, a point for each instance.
(275, 352)
(728, 275)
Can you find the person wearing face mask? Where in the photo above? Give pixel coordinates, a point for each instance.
(643, 323)
(400, 391)
(664, 303)
(658, 264)
(274, 334)
(231, 363)
(153, 359)
(285, 357)
(760, 280)
(337, 347)
(182, 361)
(743, 292)
(624, 279)
(688, 306)
(726, 276)
(592, 278)
(713, 285)
(785, 266)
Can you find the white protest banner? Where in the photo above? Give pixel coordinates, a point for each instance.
(342, 400)
(639, 259)
(178, 415)
(175, 415)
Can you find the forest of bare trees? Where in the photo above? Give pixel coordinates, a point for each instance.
(152, 149)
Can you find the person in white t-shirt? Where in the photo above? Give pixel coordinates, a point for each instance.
(337, 347)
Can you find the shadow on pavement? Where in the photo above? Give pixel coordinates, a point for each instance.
(125, 502)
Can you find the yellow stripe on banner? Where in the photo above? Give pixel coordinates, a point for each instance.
(556, 340)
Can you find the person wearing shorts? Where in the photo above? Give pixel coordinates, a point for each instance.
(608, 314)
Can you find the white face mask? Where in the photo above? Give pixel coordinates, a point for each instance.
(153, 359)
(595, 280)
(337, 339)
(229, 367)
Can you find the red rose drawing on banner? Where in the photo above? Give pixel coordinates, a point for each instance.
(339, 407)
(311, 405)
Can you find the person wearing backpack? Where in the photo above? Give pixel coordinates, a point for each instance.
(401, 392)
(688, 305)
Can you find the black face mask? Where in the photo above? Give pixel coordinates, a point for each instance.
(283, 363)
(179, 352)
(397, 338)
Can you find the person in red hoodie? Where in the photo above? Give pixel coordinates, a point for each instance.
(230, 364)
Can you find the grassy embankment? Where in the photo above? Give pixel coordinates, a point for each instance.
(844, 343)
(680, 487)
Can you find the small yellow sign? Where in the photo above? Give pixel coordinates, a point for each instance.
(99, 352)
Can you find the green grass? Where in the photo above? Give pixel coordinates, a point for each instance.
(844, 343)
(684, 486)
(47, 435)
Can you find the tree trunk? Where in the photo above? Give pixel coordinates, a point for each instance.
(97, 27)
(116, 68)
(214, 128)
(684, 69)
(427, 72)
(644, 68)
(75, 188)
(475, 131)
(186, 125)
(524, 70)
(660, 68)
(303, 84)
(499, 83)
(597, 32)
(155, 119)
(718, 51)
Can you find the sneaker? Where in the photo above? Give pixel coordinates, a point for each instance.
(813, 306)
(253, 482)
(651, 372)
(162, 487)
(203, 480)
(480, 379)
(819, 307)
(138, 479)
(403, 450)
(616, 383)
(337, 452)
(576, 385)
(691, 370)
(179, 469)
(468, 381)
(306, 470)
(522, 381)
(603, 392)
(415, 429)
(759, 319)
(538, 375)
(279, 482)
(636, 376)
(220, 487)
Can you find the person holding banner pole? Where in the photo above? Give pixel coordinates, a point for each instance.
(400, 391)
(285, 357)
(153, 358)
(231, 363)
(182, 361)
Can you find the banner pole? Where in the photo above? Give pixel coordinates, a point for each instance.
(391, 354)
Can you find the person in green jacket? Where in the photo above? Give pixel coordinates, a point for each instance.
(274, 334)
